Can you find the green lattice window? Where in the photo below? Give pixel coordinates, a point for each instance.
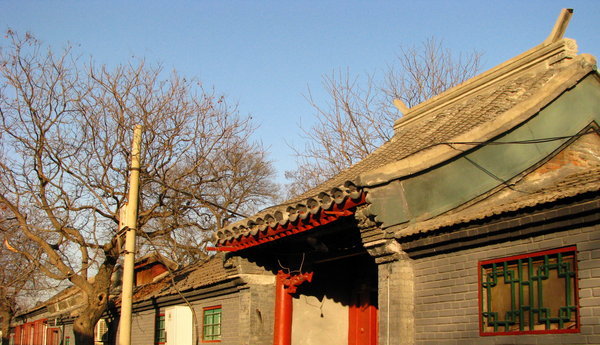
(532, 293)
(211, 325)
(159, 329)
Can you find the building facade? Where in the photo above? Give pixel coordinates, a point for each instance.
(229, 302)
(477, 223)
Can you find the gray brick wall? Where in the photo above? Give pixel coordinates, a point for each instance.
(446, 291)
(143, 323)
(247, 315)
(142, 327)
(230, 330)
(396, 302)
(261, 313)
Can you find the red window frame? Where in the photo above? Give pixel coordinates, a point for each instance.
(576, 329)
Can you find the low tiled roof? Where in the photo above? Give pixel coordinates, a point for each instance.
(60, 296)
(191, 277)
(475, 111)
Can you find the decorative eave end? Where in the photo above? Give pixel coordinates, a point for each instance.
(560, 27)
(401, 106)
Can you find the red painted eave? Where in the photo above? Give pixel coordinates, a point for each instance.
(311, 221)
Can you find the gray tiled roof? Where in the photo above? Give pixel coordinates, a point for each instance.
(445, 125)
(188, 278)
(191, 277)
(477, 110)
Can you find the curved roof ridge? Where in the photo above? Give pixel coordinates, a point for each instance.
(543, 54)
(480, 118)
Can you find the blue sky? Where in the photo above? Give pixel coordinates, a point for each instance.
(266, 54)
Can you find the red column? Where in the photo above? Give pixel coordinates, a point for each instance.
(283, 311)
(285, 286)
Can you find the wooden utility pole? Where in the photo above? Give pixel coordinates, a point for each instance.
(131, 226)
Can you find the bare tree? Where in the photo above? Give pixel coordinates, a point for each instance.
(359, 116)
(17, 277)
(66, 135)
(21, 284)
(13, 280)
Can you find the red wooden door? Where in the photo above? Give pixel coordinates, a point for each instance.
(52, 336)
(362, 319)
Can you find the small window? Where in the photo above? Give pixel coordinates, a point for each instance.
(211, 325)
(159, 334)
(101, 332)
(531, 293)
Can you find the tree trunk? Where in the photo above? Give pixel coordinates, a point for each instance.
(83, 328)
(5, 317)
(85, 323)
(96, 295)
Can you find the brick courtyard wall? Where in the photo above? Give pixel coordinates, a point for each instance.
(446, 291)
(144, 322)
(247, 311)
(230, 306)
(142, 327)
(396, 302)
(261, 314)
